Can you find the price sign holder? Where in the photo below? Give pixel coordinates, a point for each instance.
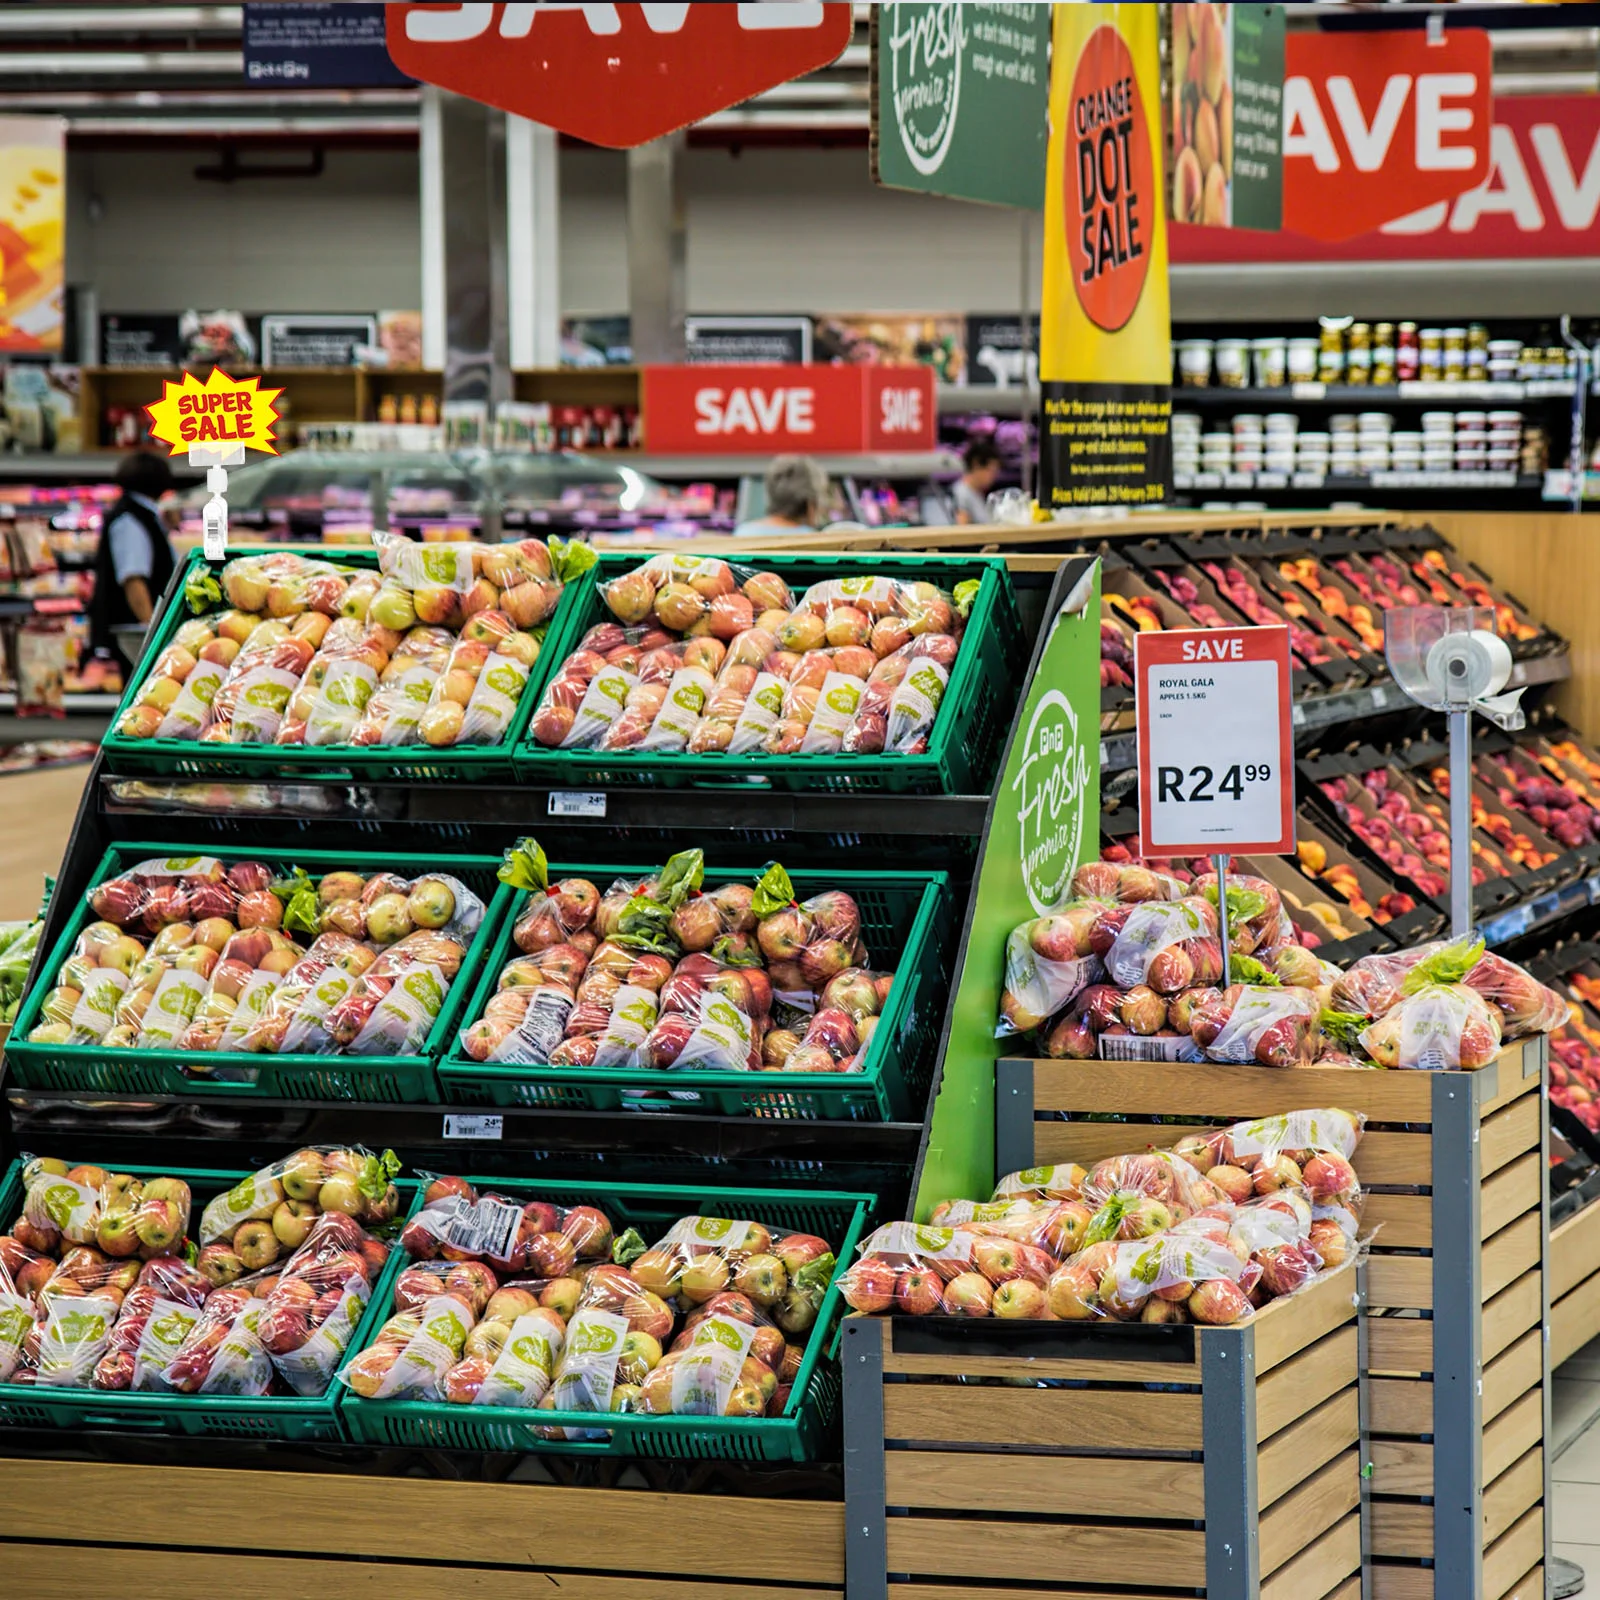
(1215, 746)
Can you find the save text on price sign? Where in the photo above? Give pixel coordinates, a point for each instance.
(1216, 744)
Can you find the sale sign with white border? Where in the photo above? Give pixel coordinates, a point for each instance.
(1216, 742)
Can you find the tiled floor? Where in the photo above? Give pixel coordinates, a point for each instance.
(1575, 1414)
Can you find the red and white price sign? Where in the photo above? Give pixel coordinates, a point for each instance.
(1216, 742)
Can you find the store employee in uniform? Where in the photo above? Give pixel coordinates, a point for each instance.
(135, 557)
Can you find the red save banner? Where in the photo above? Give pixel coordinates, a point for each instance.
(767, 410)
(1541, 198)
(1378, 125)
(615, 75)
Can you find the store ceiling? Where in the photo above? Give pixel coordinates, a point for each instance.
(177, 72)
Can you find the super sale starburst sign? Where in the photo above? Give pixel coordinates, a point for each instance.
(220, 413)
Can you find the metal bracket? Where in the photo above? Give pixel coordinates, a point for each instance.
(866, 1559)
(1228, 1424)
(1013, 1115)
(1364, 1430)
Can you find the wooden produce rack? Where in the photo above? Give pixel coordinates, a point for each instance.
(1163, 1457)
(1455, 1164)
(307, 1533)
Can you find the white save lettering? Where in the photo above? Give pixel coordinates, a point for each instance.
(455, 24)
(1213, 649)
(755, 411)
(901, 410)
(1306, 131)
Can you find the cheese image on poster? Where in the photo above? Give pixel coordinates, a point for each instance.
(1104, 353)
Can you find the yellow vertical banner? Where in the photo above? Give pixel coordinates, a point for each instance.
(32, 232)
(1105, 361)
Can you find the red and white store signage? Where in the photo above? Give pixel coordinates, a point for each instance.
(706, 410)
(615, 75)
(1541, 199)
(1378, 125)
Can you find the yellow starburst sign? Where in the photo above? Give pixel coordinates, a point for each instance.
(218, 414)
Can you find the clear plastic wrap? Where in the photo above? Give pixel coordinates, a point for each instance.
(1255, 909)
(1438, 1027)
(319, 1297)
(1125, 882)
(275, 1210)
(223, 1353)
(1132, 940)
(412, 1352)
(1272, 1027)
(116, 1213)
(1049, 962)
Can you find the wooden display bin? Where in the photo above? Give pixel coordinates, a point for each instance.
(1455, 1164)
(1574, 1283)
(1164, 1458)
(401, 1538)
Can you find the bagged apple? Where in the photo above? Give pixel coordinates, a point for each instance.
(551, 916)
(312, 1310)
(293, 1019)
(1048, 964)
(17, 1318)
(1158, 1175)
(517, 1364)
(412, 1353)
(1437, 1027)
(1526, 1006)
(73, 1338)
(1374, 984)
(699, 1258)
(405, 687)
(223, 1353)
(585, 699)
(285, 1199)
(1194, 1277)
(1064, 1181)
(1129, 940)
(392, 1006)
(462, 1225)
(150, 1332)
(805, 945)
(677, 591)
(280, 583)
(1255, 909)
(251, 702)
(1272, 1027)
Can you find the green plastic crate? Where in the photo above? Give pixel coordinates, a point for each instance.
(795, 1436)
(963, 747)
(418, 763)
(904, 915)
(91, 1069)
(290, 1417)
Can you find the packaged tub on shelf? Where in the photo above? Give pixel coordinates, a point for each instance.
(304, 975)
(408, 663)
(847, 673)
(516, 1354)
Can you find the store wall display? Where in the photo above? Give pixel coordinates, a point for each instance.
(33, 239)
(316, 341)
(742, 341)
(1103, 357)
(1226, 115)
(959, 99)
(318, 46)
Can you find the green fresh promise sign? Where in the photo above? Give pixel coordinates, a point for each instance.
(1044, 819)
(959, 95)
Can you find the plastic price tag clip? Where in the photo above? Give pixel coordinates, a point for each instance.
(214, 515)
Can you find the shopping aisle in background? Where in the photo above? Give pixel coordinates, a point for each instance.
(36, 812)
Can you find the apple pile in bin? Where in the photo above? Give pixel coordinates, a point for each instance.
(655, 974)
(435, 647)
(190, 953)
(526, 1304)
(1204, 1232)
(100, 1286)
(1130, 967)
(706, 657)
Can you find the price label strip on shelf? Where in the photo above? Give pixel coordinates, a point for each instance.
(1215, 742)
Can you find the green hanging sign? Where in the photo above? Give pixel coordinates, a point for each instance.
(959, 95)
(1044, 820)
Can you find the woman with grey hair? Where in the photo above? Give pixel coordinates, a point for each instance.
(797, 495)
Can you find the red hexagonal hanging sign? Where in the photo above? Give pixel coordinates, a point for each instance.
(615, 75)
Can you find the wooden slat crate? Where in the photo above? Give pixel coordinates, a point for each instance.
(1172, 1458)
(1574, 1283)
(227, 1531)
(1456, 1172)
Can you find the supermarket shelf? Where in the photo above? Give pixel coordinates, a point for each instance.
(21, 730)
(1368, 396)
(91, 465)
(607, 810)
(913, 464)
(1362, 483)
(74, 704)
(957, 397)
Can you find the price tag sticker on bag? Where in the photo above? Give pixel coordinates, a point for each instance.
(1216, 742)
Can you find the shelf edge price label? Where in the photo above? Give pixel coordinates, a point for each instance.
(459, 1125)
(1216, 742)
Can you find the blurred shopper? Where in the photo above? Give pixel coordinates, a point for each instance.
(134, 560)
(980, 468)
(797, 498)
